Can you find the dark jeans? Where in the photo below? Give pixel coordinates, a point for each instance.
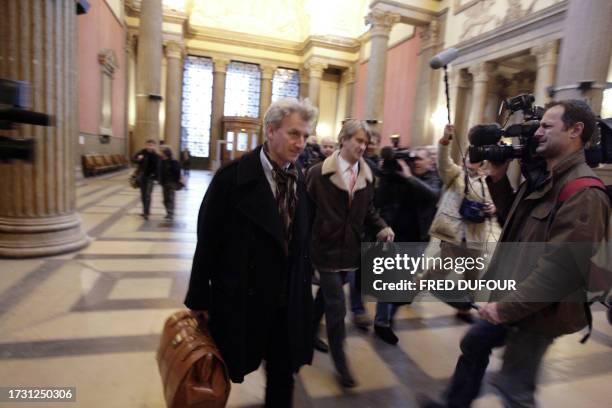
(168, 190)
(516, 382)
(146, 189)
(279, 375)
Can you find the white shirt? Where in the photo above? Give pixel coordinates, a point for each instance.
(346, 175)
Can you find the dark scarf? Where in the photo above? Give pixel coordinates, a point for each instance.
(286, 194)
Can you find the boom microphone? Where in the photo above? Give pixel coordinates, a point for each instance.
(444, 58)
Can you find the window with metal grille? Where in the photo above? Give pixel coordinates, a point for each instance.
(197, 105)
(285, 84)
(242, 90)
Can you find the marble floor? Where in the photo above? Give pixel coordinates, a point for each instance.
(92, 320)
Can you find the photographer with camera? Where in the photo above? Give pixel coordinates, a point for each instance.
(544, 209)
(465, 220)
(406, 196)
(148, 161)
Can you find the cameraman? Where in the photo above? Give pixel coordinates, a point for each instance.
(525, 327)
(406, 197)
(461, 233)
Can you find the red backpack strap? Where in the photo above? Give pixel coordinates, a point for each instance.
(577, 185)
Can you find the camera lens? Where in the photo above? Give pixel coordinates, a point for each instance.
(493, 153)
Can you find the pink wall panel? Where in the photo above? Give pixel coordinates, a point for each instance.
(100, 29)
(400, 90)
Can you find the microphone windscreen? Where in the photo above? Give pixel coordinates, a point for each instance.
(444, 58)
(488, 134)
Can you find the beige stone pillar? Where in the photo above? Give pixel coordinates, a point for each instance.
(585, 50)
(315, 73)
(218, 103)
(148, 73)
(303, 83)
(174, 88)
(546, 57)
(482, 74)
(349, 80)
(427, 87)
(459, 86)
(381, 24)
(38, 45)
(267, 73)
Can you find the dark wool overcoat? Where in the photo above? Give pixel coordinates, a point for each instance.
(242, 268)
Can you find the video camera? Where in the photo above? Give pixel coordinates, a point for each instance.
(484, 139)
(390, 155)
(13, 100)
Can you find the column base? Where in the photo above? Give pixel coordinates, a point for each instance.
(23, 237)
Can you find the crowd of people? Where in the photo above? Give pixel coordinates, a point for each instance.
(293, 212)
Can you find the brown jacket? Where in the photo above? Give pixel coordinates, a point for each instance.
(339, 223)
(582, 218)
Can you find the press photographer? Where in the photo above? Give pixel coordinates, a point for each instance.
(566, 204)
(13, 101)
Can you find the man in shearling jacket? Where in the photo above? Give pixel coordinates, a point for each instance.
(550, 295)
(342, 188)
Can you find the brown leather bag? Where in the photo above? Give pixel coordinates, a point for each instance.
(192, 370)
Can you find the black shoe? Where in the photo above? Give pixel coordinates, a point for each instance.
(320, 345)
(346, 381)
(386, 334)
(465, 317)
(169, 217)
(145, 216)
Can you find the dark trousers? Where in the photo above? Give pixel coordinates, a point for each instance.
(279, 374)
(146, 189)
(168, 190)
(330, 300)
(516, 381)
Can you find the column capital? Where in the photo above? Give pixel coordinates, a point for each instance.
(131, 43)
(315, 68)
(174, 49)
(349, 75)
(430, 35)
(460, 78)
(482, 71)
(381, 22)
(220, 64)
(267, 71)
(546, 53)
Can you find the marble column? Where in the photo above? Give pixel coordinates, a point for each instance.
(482, 74)
(148, 73)
(38, 44)
(585, 50)
(267, 73)
(315, 73)
(381, 24)
(174, 89)
(218, 103)
(459, 86)
(546, 58)
(427, 87)
(304, 83)
(349, 80)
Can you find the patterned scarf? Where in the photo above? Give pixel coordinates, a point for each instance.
(286, 193)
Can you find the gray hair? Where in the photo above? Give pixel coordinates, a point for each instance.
(350, 129)
(285, 107)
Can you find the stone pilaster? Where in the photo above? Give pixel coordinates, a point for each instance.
(427, 87)
(349, 79)
(218, 103)
(174, 87)
(459, 86)
(315, 73)
(267, 73)
(37, 210)
(585, 50)
(546, 57)
(148, 73)
(304, 83)
(381, 24)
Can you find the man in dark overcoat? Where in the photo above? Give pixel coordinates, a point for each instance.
(251, 274)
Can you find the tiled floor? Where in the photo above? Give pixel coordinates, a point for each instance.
(91, 320)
